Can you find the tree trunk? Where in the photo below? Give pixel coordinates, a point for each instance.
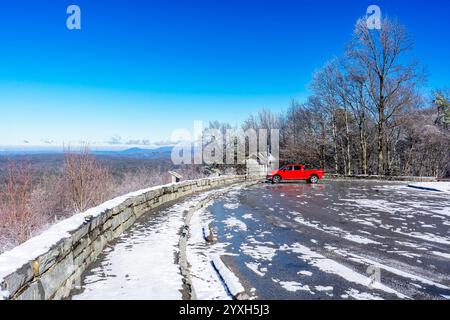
(347, 137)
(380, 148)
(363, 147)
(388, 166)
(344, 157)
(336, 165)
(381, 129)
(323, 146)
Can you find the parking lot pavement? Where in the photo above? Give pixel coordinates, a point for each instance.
(337, 240)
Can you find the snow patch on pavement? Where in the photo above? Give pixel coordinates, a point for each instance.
(248, 216)
(441, 254)
(259, 250)
(425, 236)
(256, 269)
(235, 223)
(333, 230)
(396, 271)
(355, 294)
(359, 239)
(293, 286)
(231, 206)
(324, 288)
(330, 266)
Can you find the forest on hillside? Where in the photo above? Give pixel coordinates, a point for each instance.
(369, 112)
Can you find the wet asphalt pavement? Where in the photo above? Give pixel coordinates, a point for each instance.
(337, 240)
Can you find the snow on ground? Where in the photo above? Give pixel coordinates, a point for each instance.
(259, 250)
(142, 264)
(255, 267)
(398, 230)
(205, 280)
(324, 288)
(231, 206)
(432, 186)
(151, 246)
(330, 266)
(293, 286)
(359, 239)
(404, 272)
(248, 216)
(142, 267)
(427, 237)
(234, 223)
(355, 294)
(332, 230)
(385, 214)
(441, 254)
(232, 282)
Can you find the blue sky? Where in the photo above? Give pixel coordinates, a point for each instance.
(141, 69)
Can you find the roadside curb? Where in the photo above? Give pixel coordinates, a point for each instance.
(182, 244)
(231, 281)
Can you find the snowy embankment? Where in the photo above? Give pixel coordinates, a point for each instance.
(432, 186)
(32, 249)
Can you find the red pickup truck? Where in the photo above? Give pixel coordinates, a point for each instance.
(295, 172)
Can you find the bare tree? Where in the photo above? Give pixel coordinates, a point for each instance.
(304, 136)
(86, 181)
(357, 100)
(378, 55)
(328, 95)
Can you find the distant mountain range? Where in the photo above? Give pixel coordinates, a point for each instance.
(158, 153)
(140, 153)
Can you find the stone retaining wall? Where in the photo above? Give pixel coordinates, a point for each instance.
(53, 274)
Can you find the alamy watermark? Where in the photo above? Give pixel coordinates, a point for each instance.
(227, 146)
(73, 21)
(373, 17)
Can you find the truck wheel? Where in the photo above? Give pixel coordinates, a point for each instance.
(313, 179)
(276, 179)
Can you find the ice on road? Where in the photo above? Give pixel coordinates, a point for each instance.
(357, 239)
